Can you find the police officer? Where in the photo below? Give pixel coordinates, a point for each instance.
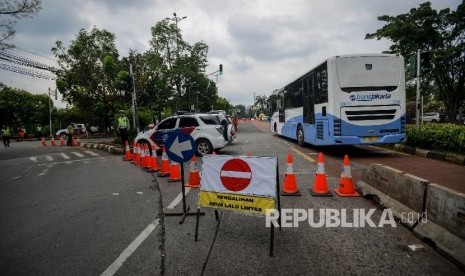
(6, 133)
(123, 126)
(69, 133)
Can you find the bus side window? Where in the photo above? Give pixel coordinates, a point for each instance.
(309, 110)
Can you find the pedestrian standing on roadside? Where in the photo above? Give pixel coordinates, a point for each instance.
(6, 133)
(69, 133)
(123, 126)
(39, 132)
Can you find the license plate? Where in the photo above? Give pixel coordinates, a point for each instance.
(370, 139)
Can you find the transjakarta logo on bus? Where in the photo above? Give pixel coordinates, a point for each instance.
(370, 97)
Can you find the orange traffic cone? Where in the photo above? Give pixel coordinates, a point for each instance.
(175, 172)
(78, 143)
(127, 152)
(44, 144)
(214, 152)
(194, 175)
(320, 187)
(165, 165)
(135, 156)
(290, 184)
(148, 158)
(154, 160)
(52, 142)
(346, 186)
(142, 156)
(62, 141)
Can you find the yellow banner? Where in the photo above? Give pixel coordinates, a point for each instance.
(236, 202)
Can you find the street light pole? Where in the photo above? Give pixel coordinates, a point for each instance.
(134, 115)
(50, 111)
(417, 100)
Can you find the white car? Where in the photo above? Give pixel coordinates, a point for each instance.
(203, 128)
(432, 117)
(81, 128)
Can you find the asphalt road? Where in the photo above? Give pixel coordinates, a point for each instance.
(98, 215)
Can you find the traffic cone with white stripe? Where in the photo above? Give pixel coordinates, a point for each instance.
(127, 152)
(165, 165)
(154, 160)
(148, 158)
(346, 186)
(135, 155)
(175, 172)
(62, 141)
(194, 175)
(290, 183)
(142, 155)
(320, 187)
(44, 144)
(52, 142)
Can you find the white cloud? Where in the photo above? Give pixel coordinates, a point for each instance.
(262, 44)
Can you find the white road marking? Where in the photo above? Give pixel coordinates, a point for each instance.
(43, 172)
(177, 199)
(65, 156)
(77, 154)
(33, 158)
(49, 158)
(91, 153)
(113, 268)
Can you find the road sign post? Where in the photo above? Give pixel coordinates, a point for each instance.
(180, 148)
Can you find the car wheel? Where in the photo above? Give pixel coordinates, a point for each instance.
(204, 147)
(300, 136)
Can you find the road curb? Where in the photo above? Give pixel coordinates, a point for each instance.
(109, 148)
(434, 213)
(431, 154)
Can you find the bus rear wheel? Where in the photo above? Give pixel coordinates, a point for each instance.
(300, 136)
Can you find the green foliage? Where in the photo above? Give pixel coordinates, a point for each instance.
(439, 35)
(20, 108)
(441, 137)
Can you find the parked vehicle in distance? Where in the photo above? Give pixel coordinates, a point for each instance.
(432, 117)
(204, 129)
(77, 129)
(93, 129)
(265, 118)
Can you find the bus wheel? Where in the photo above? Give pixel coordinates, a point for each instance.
(275, 129)
(300, 136)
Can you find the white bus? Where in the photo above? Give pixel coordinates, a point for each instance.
(346, 100)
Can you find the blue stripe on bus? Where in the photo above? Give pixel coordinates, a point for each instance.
(349, 130)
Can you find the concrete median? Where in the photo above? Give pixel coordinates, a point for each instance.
(401, 192)
(445, 224)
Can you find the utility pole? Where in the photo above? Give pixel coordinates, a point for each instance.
(50, 111)
(134, 115)
(417, 100)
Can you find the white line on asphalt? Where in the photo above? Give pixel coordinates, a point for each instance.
(77, 154)
(177, 199)
(49, 158)
(65, 156)
(43, 172)
(33, 158)
(70, 161)
(111, 270)
(91, 153)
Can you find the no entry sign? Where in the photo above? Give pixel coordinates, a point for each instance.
(236, 175)
(245, 184)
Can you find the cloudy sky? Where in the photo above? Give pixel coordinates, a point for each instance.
(262, 44)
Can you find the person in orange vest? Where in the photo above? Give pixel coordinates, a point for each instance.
(22, 133)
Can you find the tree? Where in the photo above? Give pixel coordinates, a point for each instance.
(442, 35)
(261, 103)
(20, 108)
(88, 73)
(14, 10)
(179, 68)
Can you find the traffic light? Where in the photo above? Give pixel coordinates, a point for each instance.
(412, 67)
(221, 69)
(425, 64)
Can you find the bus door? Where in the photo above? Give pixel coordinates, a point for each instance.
(280, 102)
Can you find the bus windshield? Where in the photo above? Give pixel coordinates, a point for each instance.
(368, 73)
